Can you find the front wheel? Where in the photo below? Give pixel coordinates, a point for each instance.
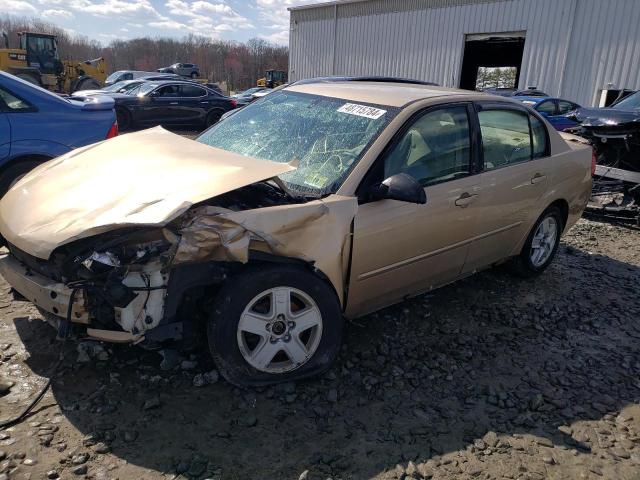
(274, 324)
(11, 174)
(194, 75)
(541, 245)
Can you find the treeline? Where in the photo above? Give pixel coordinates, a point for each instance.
(238, 64)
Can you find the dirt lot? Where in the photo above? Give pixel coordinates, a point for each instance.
(494, 377)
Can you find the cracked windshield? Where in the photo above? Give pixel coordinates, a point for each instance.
(324, 136)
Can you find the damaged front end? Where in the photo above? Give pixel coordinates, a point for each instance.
(615, 136)
(113, 285)
(148, 284)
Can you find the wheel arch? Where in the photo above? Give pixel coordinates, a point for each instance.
(200, 282)
(563, 206)
(28, 157)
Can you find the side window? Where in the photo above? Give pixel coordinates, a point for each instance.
(548, 107)
(565, 107)
(191, 91)
(12, 102)
(539, 137)
(435, 148)
(168, 91)
(505, 137)
(126, 76)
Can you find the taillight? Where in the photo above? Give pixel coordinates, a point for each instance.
(594, 159)
(234, 103)
(113, 131)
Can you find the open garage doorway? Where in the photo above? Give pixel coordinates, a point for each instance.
(492, 60)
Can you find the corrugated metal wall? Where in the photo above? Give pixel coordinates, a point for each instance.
(572, 48)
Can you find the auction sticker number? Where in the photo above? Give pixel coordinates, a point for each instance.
(362, 111)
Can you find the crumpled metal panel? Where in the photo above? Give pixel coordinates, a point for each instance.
(317, 232)
(144, 178)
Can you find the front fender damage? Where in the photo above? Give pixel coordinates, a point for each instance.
(144, 297)
(317, 232)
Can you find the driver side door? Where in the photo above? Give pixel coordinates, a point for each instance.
(402, 249)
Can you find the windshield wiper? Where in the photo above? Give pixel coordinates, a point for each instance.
(292, 194)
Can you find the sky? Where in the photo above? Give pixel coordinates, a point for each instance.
(106, 20)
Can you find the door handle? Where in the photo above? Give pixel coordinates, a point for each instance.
(173, 103)
(466, 199)
(537, 178)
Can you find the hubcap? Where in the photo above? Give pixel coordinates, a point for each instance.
(543, 241)
(279, 330)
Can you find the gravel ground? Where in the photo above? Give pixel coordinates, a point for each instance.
(493, 377)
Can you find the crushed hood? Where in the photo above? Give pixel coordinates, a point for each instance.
(605, 117)
(146, 178)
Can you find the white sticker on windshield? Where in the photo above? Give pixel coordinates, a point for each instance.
(362, 110)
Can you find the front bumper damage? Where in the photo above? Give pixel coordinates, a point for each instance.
(72, 303)
(129, 287)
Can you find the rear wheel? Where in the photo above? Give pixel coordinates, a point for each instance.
(541, 245)
(274, 324)
(10, 175)
(213, 117)
(124, 119)
(87, 84)
(194, 75)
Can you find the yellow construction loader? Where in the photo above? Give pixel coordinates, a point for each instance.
(37, 61)
(272, 79)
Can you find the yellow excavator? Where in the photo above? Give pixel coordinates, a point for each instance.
(37, 61)
(272, 79)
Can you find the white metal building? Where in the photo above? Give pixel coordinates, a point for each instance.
(569, 48)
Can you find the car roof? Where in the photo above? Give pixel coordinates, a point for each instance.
(380, 93)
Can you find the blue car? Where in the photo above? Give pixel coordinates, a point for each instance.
(37, 125)
(553, 109)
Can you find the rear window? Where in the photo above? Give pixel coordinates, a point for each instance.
(192, 91)
(12, 103)
(505, 137)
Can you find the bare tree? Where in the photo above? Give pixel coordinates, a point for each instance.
(238, 64)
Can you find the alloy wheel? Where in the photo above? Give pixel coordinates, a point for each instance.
(544, 241)
(279, 330)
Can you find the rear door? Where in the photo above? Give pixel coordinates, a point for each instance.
(194, 103)
(515, 175)
(400, 248)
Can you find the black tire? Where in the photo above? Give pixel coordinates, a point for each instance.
(194, 75)
(234, 297)
(87, 84)
(522, 265)
(123, 117)
(213, 117)
(15, 172)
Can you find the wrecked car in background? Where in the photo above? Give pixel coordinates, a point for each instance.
(317, 202)
(615, 134)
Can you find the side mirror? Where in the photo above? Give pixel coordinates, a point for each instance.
(401, 187)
